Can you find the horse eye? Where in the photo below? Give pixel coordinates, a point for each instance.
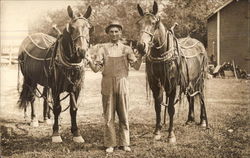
(138, 25)
(72, 28)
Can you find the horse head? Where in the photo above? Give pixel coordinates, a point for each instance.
(152, 31)
(75, 38)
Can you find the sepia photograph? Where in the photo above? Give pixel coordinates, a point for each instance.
(125, 79)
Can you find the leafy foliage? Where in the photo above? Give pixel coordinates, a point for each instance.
(189, 14)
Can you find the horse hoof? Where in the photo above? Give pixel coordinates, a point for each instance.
(26, 118)
(56, 139)
(172, 140)
(190, 122)
(34, 123)
(203, 123)
(157, 137)
(78, 139)
(48, 121)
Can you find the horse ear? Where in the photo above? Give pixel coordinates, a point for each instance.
(67, 28)
(88, 12)
(157, 25)
(92, 29)
(140, 10)
(155, 8)
(70, 12)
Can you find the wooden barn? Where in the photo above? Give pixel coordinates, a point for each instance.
(229, 33)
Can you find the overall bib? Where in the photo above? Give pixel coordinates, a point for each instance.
(115, 99)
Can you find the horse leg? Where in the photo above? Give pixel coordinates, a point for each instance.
(190, 110)
(32, 90)
(158, 98)
(25, 114)
(73, 113)
(56, 138)
(25, 95)
(171, 112)
(46, 110)
(203, 114)
(34, 120)
(49, 99)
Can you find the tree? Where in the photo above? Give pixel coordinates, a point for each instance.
(189, 14)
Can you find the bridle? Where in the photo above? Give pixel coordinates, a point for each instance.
(74, 52)
(86, 38)
(166, 55)
(152, 34)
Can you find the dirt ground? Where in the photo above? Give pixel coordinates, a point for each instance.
(227, 102)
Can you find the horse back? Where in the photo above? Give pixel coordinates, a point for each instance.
(34, 56)
(36, 45)
(194, 58)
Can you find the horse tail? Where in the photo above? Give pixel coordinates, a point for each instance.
(26, 94)
(18, 76)
(22, 102)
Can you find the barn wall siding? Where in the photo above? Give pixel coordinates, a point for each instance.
(234, 32)
(212, 34)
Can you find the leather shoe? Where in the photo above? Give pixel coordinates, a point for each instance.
(126, 148)
(109, 150)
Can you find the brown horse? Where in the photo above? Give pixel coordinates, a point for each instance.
(170, 63)
(40, 42)
(57, 65)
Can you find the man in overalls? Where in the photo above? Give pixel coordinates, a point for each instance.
(114, 59)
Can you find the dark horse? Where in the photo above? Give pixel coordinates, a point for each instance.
(43, 42)
(58, 67)
(170, 63)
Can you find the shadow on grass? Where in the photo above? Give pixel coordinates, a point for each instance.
(21, 143)
(92, 133)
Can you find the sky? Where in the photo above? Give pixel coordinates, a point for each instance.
(16, 14)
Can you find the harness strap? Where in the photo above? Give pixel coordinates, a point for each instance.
(36, 58)
(168, 57)
(166, 36)
(188, 47)
(45, 98)
(47, 45)
(36, 43)
(66, 63)
(191, 56)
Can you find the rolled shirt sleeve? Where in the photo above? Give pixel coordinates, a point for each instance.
(99, 57)
(133, 61)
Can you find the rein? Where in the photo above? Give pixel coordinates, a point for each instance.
(42, 96)
(168, 55)
(64, 62)
(79, 37)
(166, 33)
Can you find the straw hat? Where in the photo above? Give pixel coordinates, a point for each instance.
(114, 23)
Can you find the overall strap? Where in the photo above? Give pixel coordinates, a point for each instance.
(106, 50)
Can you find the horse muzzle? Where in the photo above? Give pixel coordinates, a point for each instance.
(81, 52)
(142, 47)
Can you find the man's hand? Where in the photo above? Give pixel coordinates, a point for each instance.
(88, 58)
(140, 48)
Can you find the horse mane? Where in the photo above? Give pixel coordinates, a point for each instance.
(67, 43)
(166, 43)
